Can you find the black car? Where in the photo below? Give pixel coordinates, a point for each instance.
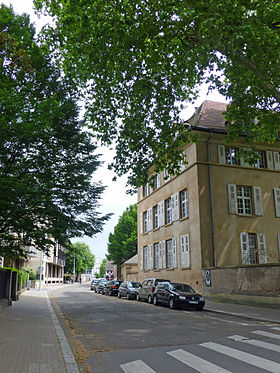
(99, 286)
(111, 288)
(93, 283)
(129, 289)
(178, 295)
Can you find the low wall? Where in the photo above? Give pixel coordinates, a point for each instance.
(251, 280)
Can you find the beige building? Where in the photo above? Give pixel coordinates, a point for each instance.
(52, 265)
(217, 224)
(130, 269)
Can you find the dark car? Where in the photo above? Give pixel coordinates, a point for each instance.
(129, 289)
(93, 283)
(148, 287)
(111, 288)
(178, 295)
(99, 286)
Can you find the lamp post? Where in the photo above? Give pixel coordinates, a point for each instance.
(74, 275)
(41, 269)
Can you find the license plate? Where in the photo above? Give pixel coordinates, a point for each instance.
(193, 302)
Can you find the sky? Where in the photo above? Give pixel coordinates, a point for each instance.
(115, 200)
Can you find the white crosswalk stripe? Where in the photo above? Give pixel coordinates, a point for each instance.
(257, 361)
(275, 328)
(137, 366)
(195, 362)
(266, 334)
(255, 342)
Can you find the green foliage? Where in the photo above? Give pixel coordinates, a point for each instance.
(30, 272)
(47, 159)
(96, 275)
(141, 59)
(84, 259)
(102, 268)
(122, 243)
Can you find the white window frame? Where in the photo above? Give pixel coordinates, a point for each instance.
(145, 221)
(141, 223)
(260, 162)
(168, 210)
(141, 258)
(231, 156)
(184, 204)
(185, 250)
(146, 258)
(277, 201)
(175, 206)
(156, 213)
(276, 158)
(244, 201)
(157, 255)
(169, 254)
(253, 248)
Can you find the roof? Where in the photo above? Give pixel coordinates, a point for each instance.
(209, 116)
(109, 266)
(133, 260)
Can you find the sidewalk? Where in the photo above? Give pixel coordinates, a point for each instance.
(243, 311)
(31, 339)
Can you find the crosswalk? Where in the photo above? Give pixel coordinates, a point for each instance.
(234, 349)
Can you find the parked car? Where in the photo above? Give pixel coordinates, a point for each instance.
(111, 287)
(99, 286)
(147, 289)
(178, 295)
(129, 289)
(93, 283)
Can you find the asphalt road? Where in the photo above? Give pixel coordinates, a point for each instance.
(114, 335)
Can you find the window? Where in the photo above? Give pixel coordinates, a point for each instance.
(156, 182)
(145, 257)
(184, 208)
(168, 209)
(145, 218)
(277, 201)
(244, 203)
(185, 251)
(231, 156)
(253, 248)
(157, 255)
(156, 216)
(145, 190)
(260, 162)
(169, 254)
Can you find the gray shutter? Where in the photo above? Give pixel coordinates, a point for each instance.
(262, 248)
(269, 160)
(141, 223)
(276, 156)
(278, 236)
(221, 154)
(258, 200)
(141, 258)
(162, 214)
(277, 201)
(175, 206)
(163, 254)
(232, 198)
(244, 244)
(183, 251)
(187, 249)
(150, 219)
(160, 255)
(174, 252)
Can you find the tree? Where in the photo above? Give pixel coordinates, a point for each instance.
(47, 159)
(142, 59)
(122, 244)
(81, 254)
(102, 268)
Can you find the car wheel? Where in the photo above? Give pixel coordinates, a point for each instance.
(119, 294)
(127, 296)
(110, 293)
(155, 301)
(95, 291)
(103, 292)
(150, 299)
(171, 304)
(138, 298)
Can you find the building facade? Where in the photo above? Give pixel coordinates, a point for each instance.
(217, 224)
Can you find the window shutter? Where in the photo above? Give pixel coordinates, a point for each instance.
(183, 251)
(262, 248)
(141, 258)
(161, 213)
(163, 254)
(140, 193)
(258, 200)
(174, 252)
(158, 180)
(175, 206)
(276, 156)
(151, 257)
(221, 154)
(269, 160)
(141, 223)
(244, 244)
(232, 198)
(160, 255)
(187, 243)
(278, 235)
(277, 201)
(150, 219)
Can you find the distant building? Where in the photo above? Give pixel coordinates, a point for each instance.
(110, 270)
(129, 269)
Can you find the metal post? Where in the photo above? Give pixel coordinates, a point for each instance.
(40, 270)
(74, 268)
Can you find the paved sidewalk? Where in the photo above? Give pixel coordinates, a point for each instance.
(31, 339)
(243, 311)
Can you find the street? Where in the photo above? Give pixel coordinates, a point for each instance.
(114, 335)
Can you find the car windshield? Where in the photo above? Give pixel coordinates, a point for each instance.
(134, 285)
(116, 282)
(160, 280)
(182, 287)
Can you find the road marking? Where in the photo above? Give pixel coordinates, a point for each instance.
(195, 362)
(229, 321)
(255, 342)
(259, 362)
(137, 366)
(275, 328)
(266, 334)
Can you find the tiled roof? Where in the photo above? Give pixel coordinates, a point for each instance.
(133, 260)
(209, 115)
